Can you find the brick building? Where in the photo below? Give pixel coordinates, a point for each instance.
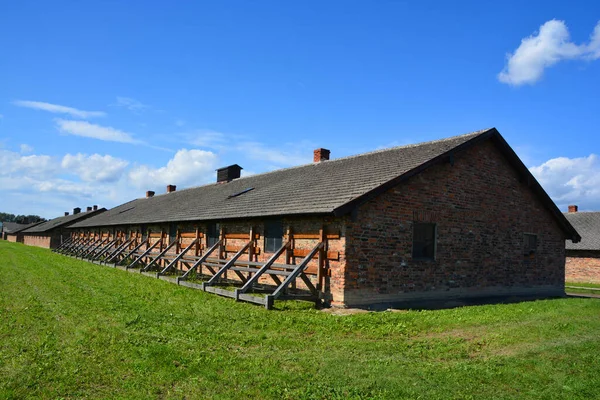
(583, 258)
(13, 232)
(51, 234)
(458, 218)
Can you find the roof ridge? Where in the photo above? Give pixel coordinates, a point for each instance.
(475, 133)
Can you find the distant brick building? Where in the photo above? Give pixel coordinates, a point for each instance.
(459, 218)
(13, 232)
(51, 234)
(583, 258)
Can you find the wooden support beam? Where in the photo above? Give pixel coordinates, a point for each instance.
(63, 244)
(235, 249)
(135, 249)
(158, 257)
(200, 261)
(78, 245)
(179, 256)
(263, 269)
(243, 236)
(105, 249)
(119, 250)
(71, 245)
(227, 265)
(95, 246)
(316, 236)
(85, 248)
(148, 250)
(297, 271)
(330, 255)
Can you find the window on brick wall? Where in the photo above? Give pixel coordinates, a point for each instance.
(424, 241)
(172, 232)
(273, 235)
(213, 232)
(529, 244)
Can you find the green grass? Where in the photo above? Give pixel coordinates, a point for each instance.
(581, 288)
(71, 329)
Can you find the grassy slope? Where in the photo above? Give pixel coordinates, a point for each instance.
(72, 329)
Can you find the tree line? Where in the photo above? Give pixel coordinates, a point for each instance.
(20, 219)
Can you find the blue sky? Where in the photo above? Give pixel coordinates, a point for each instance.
(101, 101)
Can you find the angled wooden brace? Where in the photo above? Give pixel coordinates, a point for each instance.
(262, 270)
(118, 250)
(158, 257)
(63, 244)
(148, 250)
(179, 256)
(85, 247)
(105, 249)
(200, 261)
(136, 248)
(69, 246)
(94, 246)
(298, 271)
(71, 250)
(227, 265)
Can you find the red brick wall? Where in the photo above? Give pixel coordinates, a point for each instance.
(12, 238)
(481, 211)
(39, 241)
(583, 267)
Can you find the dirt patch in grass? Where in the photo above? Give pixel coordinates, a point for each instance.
(344, 311)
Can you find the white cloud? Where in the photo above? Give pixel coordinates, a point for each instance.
(571, 181)
(186, 168)
(131, 104)
(94, 168)
(549, 46)
(38, 166)
(58, 109)
(85, 129)
(25, 148)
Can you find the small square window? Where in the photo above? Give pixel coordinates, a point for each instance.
(273, 236)
(530, 244)
(424, 241)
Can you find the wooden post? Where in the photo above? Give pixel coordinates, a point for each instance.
(252, 245)
(289, 253)
(222, 246)
(321, 260)
(198, 244)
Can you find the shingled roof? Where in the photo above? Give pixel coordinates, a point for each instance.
(62, 221)
(13, 227)
(588, 226)
(328, 187)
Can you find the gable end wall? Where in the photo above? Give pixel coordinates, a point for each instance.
(482, 211)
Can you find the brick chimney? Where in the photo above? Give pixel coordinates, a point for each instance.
(88, 209)
(76, 210)
(150, 193)
(227, 174)
(321, 155)
(95, 208)
(573, 208)
(66, 213)
(171, 188)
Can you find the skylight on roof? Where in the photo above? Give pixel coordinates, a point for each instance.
(240, 193)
